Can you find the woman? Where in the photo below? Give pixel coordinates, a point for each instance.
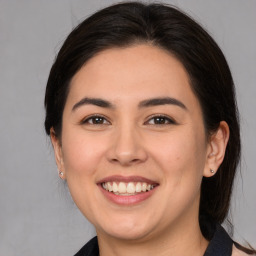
(141, 111)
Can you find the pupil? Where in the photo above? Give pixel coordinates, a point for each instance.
(97, 120)
(160, 120)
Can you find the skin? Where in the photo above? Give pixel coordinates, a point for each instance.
(129, 141)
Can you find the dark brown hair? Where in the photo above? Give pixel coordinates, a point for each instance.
(166, 27)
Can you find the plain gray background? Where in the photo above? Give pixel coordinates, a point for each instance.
(37, 216)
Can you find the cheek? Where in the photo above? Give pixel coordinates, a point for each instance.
(181, 157)
(81, 153)
(178, 149)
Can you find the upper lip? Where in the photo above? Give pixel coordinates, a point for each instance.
(126, 179)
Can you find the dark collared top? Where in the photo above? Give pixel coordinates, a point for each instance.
(220, 245)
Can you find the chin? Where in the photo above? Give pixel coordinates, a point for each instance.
(126, 229)
(128, 234)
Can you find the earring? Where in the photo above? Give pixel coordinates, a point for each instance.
(61, 173)
(212, 171)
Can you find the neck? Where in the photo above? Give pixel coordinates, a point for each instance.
(182, 238)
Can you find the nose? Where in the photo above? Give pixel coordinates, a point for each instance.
(127, 148)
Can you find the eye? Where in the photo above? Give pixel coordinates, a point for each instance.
(160, 120)
(95, 120)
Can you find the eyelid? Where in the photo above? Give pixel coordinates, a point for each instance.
(85, 120)
(168, 118)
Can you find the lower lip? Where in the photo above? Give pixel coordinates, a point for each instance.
(127, 200)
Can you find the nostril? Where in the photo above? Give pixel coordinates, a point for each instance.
(126, 153)
(125, 160)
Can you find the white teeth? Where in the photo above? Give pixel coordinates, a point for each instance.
(115, 188)
(144, 187)
(130, 188)
(109, 187)
(121, 188)
(138, 187)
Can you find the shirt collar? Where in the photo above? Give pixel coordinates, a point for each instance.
(220, 244)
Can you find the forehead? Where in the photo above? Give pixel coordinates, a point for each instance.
(135, 72)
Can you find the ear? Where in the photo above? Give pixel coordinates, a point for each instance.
(58, 153)
(216, 149)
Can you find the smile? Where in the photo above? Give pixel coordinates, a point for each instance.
(127, 189)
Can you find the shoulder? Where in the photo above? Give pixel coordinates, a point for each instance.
(237, 252)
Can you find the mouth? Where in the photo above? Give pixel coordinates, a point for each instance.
(127, 190)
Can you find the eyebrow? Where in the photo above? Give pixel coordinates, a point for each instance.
(161, 101)
(93, 101)
(145, 103)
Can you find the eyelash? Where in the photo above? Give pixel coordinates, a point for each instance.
(94, 117)
(161, 118)
(167, 120)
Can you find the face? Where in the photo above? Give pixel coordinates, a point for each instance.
(133, 148)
